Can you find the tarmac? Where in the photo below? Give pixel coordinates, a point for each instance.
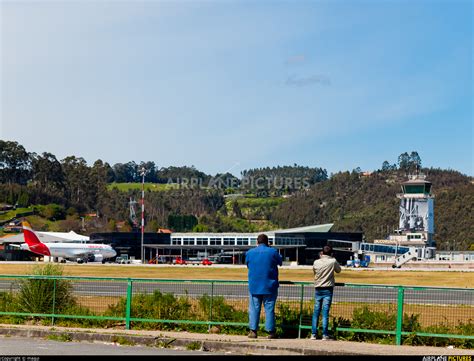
(229, 344)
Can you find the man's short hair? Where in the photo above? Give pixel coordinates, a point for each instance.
(262, 238)
(327, 250)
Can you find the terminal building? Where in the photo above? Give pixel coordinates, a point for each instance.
(301, 245)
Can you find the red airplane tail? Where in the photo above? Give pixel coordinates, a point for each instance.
(33, 242)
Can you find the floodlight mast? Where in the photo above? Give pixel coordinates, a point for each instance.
(142, 173)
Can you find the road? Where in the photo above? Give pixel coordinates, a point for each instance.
(12, 346)
(286, 292)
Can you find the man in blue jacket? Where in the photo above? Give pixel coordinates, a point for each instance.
(262, 263)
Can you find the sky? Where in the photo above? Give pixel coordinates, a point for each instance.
(232, 85)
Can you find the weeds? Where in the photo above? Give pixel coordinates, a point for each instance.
(124, 341)
(193, 346)
(61, 337)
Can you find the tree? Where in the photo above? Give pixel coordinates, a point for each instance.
(15, 163)
(151, 172)
(415, 161)
(126, 173)
(53, 212)
(23, 200)
(404, 162)
(48, 173)
(76, 174)
(99, 176)
(152, 226)
(385, 166)
(236, 210)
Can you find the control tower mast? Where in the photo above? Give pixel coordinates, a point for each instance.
(416, 221)
(414, 238)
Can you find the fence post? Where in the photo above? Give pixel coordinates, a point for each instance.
(301, 310)
(401, 294)
(129, 304)
(210, 311)
(54, 301)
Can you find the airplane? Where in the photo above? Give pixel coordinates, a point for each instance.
(80, 253)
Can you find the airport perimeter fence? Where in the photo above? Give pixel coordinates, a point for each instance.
(366, 312)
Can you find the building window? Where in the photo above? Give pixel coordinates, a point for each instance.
(229, 241)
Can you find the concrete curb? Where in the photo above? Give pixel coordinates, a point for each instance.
(221, 343)
(165, 342)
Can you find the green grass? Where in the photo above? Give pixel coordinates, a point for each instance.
(62, 337)
(154, 187)
(124, 341)
(260, 202)
(193, 346)
(13, 213)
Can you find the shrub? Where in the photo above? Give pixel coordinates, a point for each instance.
(79, 322)
(52, 211)
(39, 295)
(156, 306)
(221, 311)
(288, 320)
(8, 304)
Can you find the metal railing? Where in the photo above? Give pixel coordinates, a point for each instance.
(200, 305)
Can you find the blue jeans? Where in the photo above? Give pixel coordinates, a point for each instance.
(255, 305)
(322, 299)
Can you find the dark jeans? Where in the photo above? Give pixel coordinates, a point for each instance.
(322, 300)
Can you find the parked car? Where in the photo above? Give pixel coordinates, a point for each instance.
(206, 262)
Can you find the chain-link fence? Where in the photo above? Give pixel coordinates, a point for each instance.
(358, 312)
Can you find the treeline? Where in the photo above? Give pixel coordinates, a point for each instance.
(18, 166)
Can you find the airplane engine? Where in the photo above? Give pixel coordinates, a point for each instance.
(96, 258)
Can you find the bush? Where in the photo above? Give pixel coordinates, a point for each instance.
(364, 318)
(288, 319)
(52, 211)
(39, 295)
(461, 328)
(8, 304)
(221, 312)
(79, 322)
(157, 306)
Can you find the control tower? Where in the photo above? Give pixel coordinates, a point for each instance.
(414, 238)
(416, 220)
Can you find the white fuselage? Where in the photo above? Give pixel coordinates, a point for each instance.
(76, 250)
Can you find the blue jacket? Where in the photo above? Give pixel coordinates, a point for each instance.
(262, 263)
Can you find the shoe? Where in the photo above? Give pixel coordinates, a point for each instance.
(313, 337)
(326, 338)
(252, 334)
(272, 335)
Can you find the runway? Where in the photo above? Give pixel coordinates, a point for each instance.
(291, 293)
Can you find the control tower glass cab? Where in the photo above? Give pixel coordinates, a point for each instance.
(416, 220)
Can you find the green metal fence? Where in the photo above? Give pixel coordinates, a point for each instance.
(221, 306)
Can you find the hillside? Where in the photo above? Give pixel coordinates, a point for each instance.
(69, 194)
(369, 204)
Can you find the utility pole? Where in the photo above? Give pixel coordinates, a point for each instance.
(142, 173)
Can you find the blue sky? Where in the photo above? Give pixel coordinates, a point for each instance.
(239, 84)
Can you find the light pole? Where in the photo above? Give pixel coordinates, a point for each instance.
(142, 173)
